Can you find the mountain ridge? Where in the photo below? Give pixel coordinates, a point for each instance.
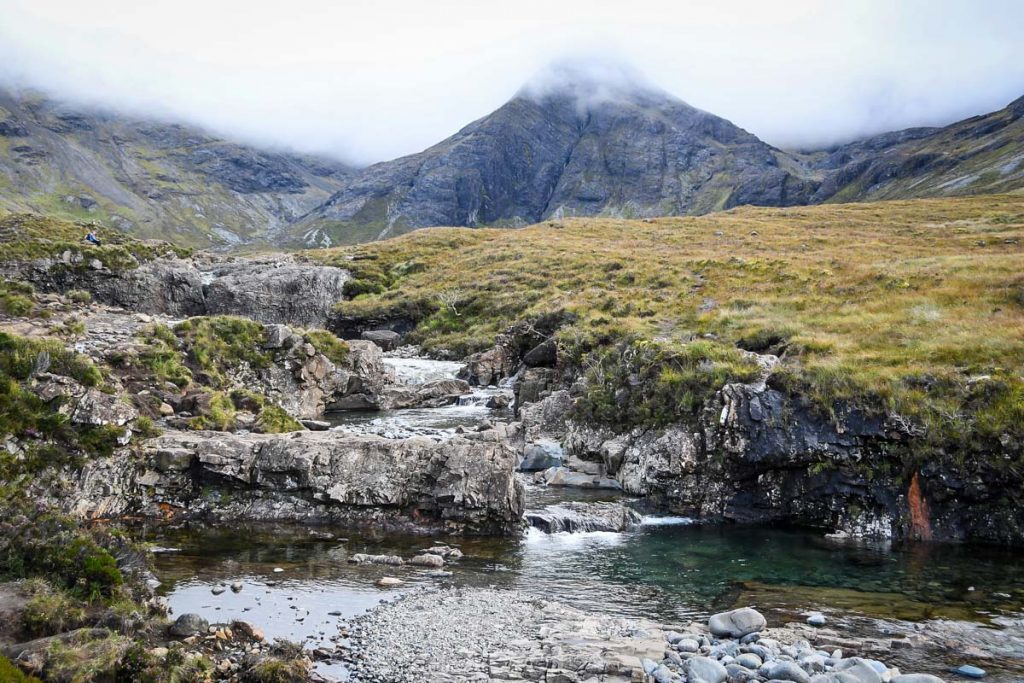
(571, 143)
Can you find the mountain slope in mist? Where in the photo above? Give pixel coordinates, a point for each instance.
(580, 147)
(573, 146)
(149, 178)
(979, 155)
(575, 149)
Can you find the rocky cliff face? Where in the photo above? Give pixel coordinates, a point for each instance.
(756, 452)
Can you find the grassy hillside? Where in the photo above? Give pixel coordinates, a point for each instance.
(915, 306)
(154, 179)
(26, 236)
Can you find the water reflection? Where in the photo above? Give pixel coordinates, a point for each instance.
(665, 571)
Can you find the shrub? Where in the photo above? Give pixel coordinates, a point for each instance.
(274, 419)
(79, 296)
(50, 611)
(355, 287)
(51, 545)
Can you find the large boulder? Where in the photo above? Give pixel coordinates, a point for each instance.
(188, 625)
(276, 292)
(489, 367)
(387, 340)
(431, 394)
(737, 623)
(98, 409)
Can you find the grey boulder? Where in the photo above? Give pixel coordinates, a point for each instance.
(704, 670)
(188, 625)
(737, 623)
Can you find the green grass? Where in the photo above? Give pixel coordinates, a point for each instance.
(910, 306)
(26, 237)
(218, 344)
(9, 673)
(47, 436)
(326, 343)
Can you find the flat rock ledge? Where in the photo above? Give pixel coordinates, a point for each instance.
(458, 485)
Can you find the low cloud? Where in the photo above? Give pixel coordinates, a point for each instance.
(371, 81)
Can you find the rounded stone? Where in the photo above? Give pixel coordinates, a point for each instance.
(188, 625)
(704, 670)
(737, 623)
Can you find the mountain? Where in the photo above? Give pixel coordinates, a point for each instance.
(571, 143)
(151, 178)
(979, 155)
(577, 148)
(581, 146)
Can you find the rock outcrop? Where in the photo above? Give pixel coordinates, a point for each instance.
(755, 453)
(277, 289)
(280, 291)
(458, 485)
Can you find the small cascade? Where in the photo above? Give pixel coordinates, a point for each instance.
(581, 517)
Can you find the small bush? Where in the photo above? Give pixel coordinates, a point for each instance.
(79, 296)
(273, 419)
(355, 287)
(50, 611)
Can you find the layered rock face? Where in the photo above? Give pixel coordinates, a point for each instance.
(459, 485)
(757, 454)
(271, 290)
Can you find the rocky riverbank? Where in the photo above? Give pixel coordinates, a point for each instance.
(480, 634)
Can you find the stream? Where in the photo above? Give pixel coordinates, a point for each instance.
(297, 583)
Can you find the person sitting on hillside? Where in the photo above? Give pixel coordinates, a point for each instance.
(92, 238)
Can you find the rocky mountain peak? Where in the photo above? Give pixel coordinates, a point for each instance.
(592, 82)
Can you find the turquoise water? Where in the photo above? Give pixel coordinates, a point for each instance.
(669, 572)
(298, 584)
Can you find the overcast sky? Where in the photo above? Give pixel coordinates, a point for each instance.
(373, 80)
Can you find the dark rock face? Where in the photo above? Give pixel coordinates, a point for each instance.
(248, 171)
(460, 485)
(756, 454)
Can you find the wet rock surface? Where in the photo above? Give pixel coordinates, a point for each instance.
(580, 517)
